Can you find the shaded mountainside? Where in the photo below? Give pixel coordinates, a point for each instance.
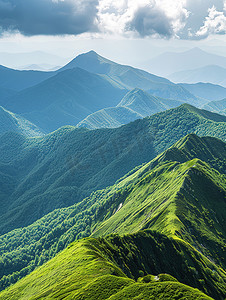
(97, 269)
(19, 80)
(174, 194)
(62, 168)
(5, 93)
(16, 123)
(131, 78)
(136, 104)
(65, 99)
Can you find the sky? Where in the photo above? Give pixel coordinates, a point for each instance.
(124, 30)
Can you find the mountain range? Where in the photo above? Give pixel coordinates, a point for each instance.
(65, 166)
(136, 104)
(130, 201)
(172, 62)
(65, 99)
(89, 83)
(172, 195)
(210, 74)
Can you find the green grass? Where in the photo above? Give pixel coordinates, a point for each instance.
(83, 271)
(174, 194)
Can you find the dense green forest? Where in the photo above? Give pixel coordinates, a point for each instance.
(39, 175)
(174, 194)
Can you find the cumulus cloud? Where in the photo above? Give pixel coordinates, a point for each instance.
(185, 19)
(144, 17)
(215, 23)
(48, 17)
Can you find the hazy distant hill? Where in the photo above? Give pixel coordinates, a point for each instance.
(19, 80)
(212, 74)
(216, 106)
(171, 62)
(40, 67)
(15, 60)
(206, 91)
(135, 104)
(93, 62)
(16, 123)
(65, 99)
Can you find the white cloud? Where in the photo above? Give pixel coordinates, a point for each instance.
(144, 17)
(215, 23)
(184, 19)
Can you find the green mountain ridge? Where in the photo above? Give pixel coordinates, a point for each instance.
(173, 194)
(13, 122)
(87, 269)
(136, 104)
(64, 167)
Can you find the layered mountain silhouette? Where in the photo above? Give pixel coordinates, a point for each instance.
(212, 74)
(136, 104)
(174, 195)
(206, 91)
(130, 77)
(110, 211)
(74, 92)
(65, 99)
(19, 80)
(171, 62)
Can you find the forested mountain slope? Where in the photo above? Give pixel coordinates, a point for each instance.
(174, 194)
(62, 168)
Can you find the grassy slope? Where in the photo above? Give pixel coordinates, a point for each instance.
(65, 166)
(83, 271)
(152, 192)
(176, 200)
